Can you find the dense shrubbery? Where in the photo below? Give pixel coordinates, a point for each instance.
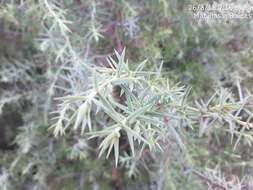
(123, 95)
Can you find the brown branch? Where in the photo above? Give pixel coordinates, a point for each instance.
(210, 182)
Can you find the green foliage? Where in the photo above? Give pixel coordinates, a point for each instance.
(169, 108)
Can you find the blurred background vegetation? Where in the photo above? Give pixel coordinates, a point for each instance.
(41, 40)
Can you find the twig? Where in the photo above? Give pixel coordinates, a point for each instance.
(209, 181)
